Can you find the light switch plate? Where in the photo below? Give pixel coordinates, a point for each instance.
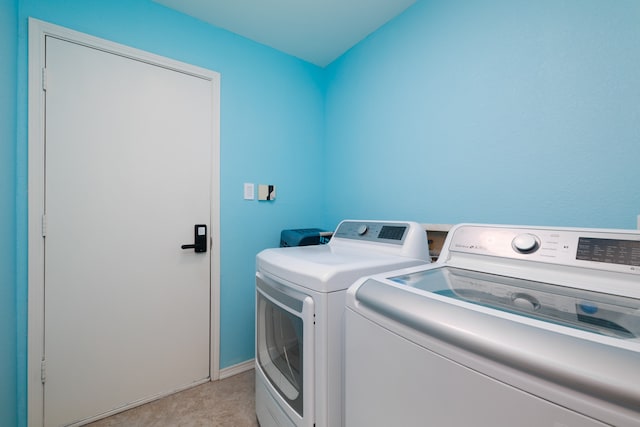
(249, 191)
(266, 192)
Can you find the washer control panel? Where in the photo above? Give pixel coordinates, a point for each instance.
(594, 248)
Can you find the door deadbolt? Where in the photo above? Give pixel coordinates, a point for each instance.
(199, 239)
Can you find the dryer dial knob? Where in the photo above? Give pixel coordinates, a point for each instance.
(362, 229)
(525, 243)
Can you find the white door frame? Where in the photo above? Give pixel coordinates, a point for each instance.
(38, 30)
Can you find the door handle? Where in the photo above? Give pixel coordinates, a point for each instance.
(199, 239)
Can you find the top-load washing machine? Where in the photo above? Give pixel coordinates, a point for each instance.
(513, 326)
(300, 300)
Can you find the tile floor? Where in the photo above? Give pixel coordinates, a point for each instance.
(225, 403)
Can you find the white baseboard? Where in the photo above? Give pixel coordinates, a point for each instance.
(237, 369)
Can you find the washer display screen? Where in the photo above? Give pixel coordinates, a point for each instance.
(612, 251)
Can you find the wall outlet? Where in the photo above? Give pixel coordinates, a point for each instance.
(638, 222)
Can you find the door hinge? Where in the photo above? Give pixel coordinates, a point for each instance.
(44, 225)
(43, 371)
(44, 79)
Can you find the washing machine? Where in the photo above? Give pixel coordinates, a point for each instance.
(514, 326)
(300, 301)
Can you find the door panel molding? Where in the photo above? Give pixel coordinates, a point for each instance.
(38, 31)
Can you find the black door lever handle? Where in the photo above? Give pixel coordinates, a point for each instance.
(199, 239)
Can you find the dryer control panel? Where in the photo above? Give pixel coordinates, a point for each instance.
(388, 232)
(401, 238)
(611, 250)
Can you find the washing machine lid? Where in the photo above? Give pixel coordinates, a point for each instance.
(601, 313)
(328, 268)
(541, 354)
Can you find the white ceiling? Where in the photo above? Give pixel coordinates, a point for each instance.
(317, 31)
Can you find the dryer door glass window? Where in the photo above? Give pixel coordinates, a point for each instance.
(280, 355)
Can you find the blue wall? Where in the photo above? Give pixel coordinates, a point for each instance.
(8, 78)
(272, 118)
(506, 111)
(499, 111)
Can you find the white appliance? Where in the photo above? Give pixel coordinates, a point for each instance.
(300, 300)
(513, 326)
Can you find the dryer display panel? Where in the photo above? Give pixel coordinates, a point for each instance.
(605, 314)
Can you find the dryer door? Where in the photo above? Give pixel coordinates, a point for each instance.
(284, 346)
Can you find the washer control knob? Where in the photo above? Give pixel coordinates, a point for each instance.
(525, 243)
(362, 229)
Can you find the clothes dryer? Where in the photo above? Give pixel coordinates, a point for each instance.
(300, 300)
(526, 326)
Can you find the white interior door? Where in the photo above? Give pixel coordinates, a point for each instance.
(128, 148)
